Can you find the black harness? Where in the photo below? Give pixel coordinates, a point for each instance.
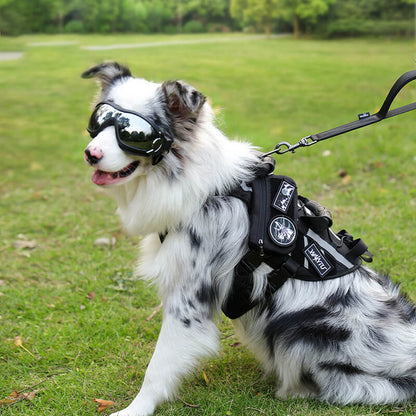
(293, 236)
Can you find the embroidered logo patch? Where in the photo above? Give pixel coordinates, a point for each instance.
(318, 260)
(284, 197)
(282, 231)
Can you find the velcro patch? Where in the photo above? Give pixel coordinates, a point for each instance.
(317, 259)
(284, 197)
(282, 231)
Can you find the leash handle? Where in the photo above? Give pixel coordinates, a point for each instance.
(364, 119)
(395, 89)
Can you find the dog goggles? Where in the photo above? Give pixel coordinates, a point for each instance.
(135, 134)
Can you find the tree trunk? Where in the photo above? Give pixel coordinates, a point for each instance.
(179, 16)
(296, 29)
(61, 22)
(267, 30)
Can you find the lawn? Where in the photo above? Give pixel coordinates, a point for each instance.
(73, 318)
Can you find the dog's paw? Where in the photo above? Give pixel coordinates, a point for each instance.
(142, 410)
(130, 412)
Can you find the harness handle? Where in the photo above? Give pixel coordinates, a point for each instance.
(364, 119)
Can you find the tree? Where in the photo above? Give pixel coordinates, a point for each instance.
(58, 10)
(307, 11)
(206, 8)
(263, 13)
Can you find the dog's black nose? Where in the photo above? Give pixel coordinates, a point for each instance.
(93, 155)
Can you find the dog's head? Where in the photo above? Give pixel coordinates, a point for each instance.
(136, 123)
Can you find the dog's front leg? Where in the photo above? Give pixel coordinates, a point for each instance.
(184, 338)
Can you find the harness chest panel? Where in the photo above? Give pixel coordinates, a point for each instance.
(293, 236)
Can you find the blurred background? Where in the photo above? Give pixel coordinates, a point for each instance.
(327, 18)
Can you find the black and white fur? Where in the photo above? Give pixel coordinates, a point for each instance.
(347, 340)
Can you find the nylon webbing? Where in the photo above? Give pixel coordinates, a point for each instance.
(365, 119)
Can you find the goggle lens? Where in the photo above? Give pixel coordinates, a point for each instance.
(134, 133)
(137, 133)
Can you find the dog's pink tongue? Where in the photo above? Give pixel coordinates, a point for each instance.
(103, 178)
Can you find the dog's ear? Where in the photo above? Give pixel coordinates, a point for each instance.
(107, 72)
(183, 100)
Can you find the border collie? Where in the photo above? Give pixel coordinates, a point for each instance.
(156, 149)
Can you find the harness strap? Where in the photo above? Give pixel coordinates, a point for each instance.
(357, 248)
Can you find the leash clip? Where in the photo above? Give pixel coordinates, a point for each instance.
(285, 147)
(307, 141)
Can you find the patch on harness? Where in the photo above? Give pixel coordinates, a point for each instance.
(318, 260)
(282, 231)
(284, 196)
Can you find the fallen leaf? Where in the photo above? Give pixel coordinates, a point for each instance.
(25, 244)
(103, 404)
(19, 343)
(28, 396)
(7, 401)
(90, 295)
(17, 397)
(205, 377)
(346, 179)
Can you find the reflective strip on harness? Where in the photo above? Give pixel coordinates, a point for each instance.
(331, 250)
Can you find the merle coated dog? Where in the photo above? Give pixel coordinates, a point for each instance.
(156, 150)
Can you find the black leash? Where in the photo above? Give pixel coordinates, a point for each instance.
(364, 119)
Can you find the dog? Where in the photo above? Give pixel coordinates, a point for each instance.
(155, 148)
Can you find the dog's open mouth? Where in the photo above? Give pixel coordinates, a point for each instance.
(109, 178)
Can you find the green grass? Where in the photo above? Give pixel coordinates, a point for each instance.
(265, 91)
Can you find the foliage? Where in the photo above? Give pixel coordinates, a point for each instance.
(262, 13)
(359, 27)
(325, 17)
(193, 26)
(369, 17)
(106, 16)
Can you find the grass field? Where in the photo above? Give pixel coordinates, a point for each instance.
(72, 315)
